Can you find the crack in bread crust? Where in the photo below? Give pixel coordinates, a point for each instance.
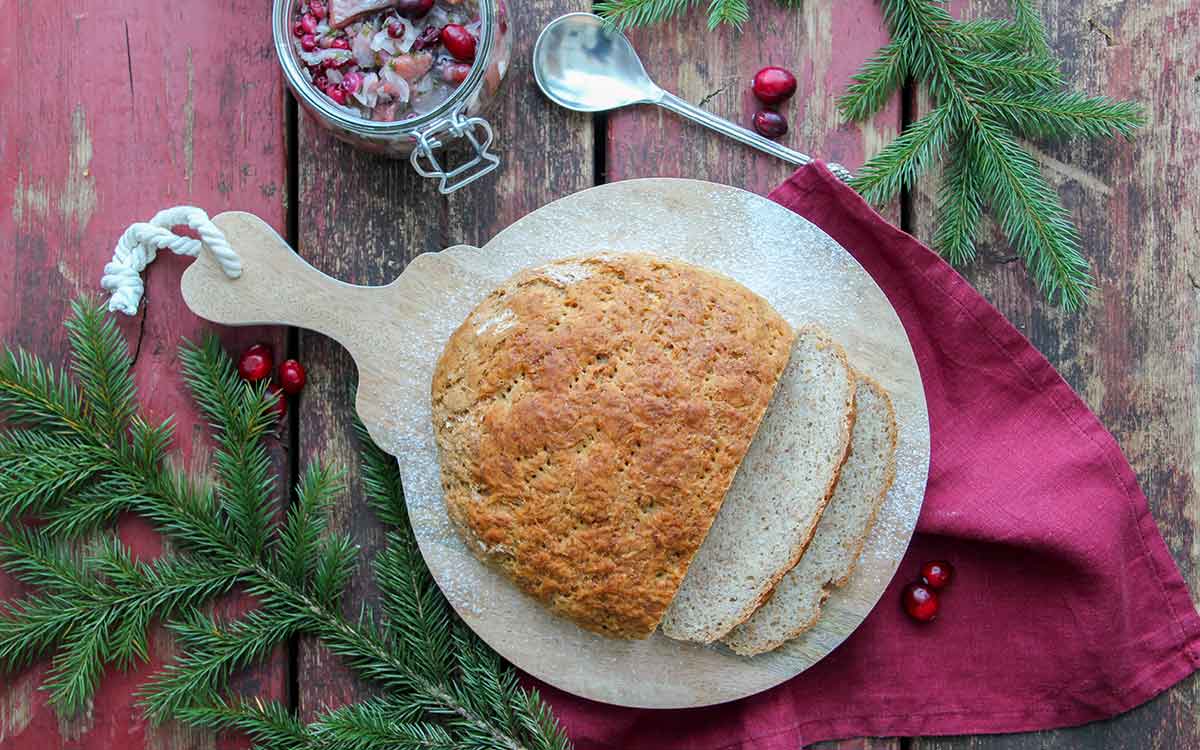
(590, 415)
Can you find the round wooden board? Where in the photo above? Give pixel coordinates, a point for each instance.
(802, 272)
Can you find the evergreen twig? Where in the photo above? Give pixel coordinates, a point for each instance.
(76, 455)
(991, 82)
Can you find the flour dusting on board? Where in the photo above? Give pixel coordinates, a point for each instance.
(803, 273)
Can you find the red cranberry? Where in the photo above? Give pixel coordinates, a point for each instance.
(395, 30)
(920, 602)
(308, 42)
(937, 574)
(337, 94)
(292, 376)
(414, 8)
(458, 41)
(256, 363)
(321, 81)
(298, 29)
(772, 85)
(351, 83)
(309, 23)
(340, 43)
(456, 73)
(317, 8)
(280, 405)
(427, 38)
(770, 123)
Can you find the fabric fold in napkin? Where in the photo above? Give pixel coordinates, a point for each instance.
(1066, 607)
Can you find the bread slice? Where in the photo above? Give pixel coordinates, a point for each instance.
(830, 559)
(777, 496)
(590, 415)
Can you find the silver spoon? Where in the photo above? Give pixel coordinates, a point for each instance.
(582, 64)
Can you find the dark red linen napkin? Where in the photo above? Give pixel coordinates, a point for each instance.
(1066, 607)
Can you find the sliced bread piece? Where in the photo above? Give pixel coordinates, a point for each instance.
(777, 495)
(830, 559)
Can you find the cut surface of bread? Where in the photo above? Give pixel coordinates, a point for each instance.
(590, 415)
(777, 497)
(830, 559)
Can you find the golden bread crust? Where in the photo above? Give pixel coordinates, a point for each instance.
(590, 416)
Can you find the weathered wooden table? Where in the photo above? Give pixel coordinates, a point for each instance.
(111, 110)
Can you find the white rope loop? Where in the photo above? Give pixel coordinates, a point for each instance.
(140, 243)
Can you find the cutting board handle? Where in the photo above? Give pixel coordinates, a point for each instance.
(277, 287)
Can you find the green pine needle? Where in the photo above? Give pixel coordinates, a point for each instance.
(907, 157)
(625, 14)
(879, 78)
(960, 204)
(76, 455)
(992, 82)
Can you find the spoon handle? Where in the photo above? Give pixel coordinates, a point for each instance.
(748, 137)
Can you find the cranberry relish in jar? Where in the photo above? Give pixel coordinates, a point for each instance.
(400, 78)
(386, 60)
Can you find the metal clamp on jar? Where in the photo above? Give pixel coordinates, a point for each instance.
(419, 136)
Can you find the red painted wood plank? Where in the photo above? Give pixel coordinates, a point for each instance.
(108, 113)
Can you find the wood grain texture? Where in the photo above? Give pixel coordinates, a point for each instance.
(106, 116)
(362, 219)
(1131, 353)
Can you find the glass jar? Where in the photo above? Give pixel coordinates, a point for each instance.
(456, 122)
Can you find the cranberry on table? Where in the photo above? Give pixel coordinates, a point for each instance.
(920, 602)
(413, 9)
(773, 84)
(937, 574)
(770, 123)
(256, 363)
(291, 374)
(458, 41)
(280, 405)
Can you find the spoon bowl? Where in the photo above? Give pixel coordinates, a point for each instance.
(583, 65)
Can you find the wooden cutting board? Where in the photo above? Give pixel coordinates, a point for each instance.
(395, 334)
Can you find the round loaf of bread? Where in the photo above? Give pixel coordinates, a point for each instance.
(590, 415)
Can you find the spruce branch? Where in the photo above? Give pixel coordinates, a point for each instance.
(625, 14)
(83, 456)
(994, 81)
(879, 78)
(960, 203)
